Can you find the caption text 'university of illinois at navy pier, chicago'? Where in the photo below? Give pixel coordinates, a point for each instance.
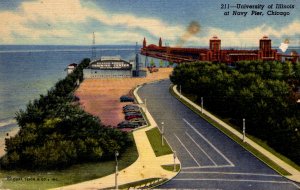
(257, 9)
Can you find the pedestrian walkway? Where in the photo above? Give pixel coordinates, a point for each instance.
(146, 166)
(295, 174)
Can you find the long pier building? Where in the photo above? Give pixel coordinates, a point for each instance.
(215, 53)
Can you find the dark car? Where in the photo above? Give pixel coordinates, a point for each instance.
(139, 121)
(127, 124)
(126, 99)
(131, 110)
(131, 107)
(133, 113)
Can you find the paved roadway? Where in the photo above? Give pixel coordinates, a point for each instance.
(210, 160)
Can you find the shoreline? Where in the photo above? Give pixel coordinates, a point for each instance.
(11, 133)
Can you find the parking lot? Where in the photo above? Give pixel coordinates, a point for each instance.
(101, 97)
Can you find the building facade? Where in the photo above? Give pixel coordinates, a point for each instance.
(109, 67)
(214, 53)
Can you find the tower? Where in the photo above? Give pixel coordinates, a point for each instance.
(265, 44)
(215, 44)
(265, 47)
(160, 42)
(137, 62)
(144, 43)
(93, 47)
(215, 49)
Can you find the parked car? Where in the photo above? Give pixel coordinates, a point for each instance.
(133, 113)
(131, 109)
(140, 121)
(127, 124)
(128, 117)
(137, 120)
(130, 106)
(126, 99)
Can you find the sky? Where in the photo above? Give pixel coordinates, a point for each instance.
(72, 22)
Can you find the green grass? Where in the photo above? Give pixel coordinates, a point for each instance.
(171, 167)
(264, 145)
(27, 180)
(144, 116)
(282, 157)
(154, 137)
(249, 148)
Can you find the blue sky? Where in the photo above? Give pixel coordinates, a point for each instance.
(71, 22)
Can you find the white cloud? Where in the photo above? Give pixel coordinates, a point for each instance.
(65, 19)
(250, 37)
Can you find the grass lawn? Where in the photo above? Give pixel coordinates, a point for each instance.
(171, 167)
(256, 153)
(145, 117)
(154, 137)
(26, 180)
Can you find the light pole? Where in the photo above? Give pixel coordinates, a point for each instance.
(244, 129)
(174, 156)
(116, 175)
(180, 90)
(202, 105)
(162, 133)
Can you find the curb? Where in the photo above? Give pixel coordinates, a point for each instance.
(139, 101)
(236, 133)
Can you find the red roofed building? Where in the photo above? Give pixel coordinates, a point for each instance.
(215, 53)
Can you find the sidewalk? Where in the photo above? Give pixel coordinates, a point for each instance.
(146, 166)
(295, 174)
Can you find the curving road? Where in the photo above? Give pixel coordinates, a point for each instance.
(210, 160)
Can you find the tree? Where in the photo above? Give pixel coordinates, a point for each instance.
(152, 63)
(161, 63)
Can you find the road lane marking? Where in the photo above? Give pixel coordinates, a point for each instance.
(295, 185)
(206, 140)
(208, 166)
(232, 173)
(187, 150)
(234, 180)
(201, 149)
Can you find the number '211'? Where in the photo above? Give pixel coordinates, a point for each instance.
(224, 6)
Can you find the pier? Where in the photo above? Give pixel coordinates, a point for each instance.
(214, 53)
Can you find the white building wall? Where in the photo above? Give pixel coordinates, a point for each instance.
(97, 73)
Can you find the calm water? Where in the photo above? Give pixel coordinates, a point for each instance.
(28, 71)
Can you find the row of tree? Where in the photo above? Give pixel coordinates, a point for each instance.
(56, 133)
(264, 93)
